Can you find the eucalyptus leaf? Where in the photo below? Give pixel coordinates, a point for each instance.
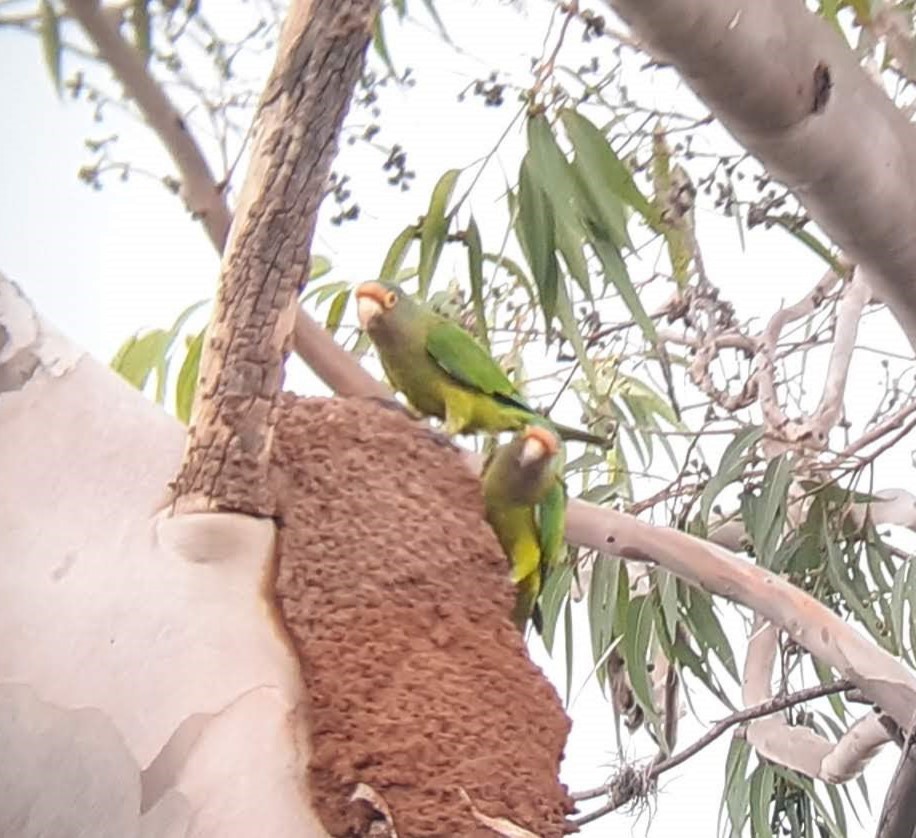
(638, 635)
(397, 253)
(435, 229)
(186, 384)
(731, 467)
(336, 311)
(475, 273)
(49, 32)
(535, 228)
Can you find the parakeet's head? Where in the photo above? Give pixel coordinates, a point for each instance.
(538, 444)
(383, 308)
(520, 471)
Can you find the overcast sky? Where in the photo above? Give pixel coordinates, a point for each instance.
(101, 265)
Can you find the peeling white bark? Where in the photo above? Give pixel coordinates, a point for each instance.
(884, 679)
(28, 345)
(160, 624)
(796, 747)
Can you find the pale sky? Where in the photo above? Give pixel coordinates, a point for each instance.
(101, 265)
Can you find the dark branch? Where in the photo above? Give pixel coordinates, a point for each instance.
(629, 783)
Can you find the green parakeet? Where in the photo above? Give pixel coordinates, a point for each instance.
(525, 501)
(442, 370)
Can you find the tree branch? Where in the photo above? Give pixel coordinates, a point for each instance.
(765, 373)
(795, 746)
(622, 787)
(802, 117)
(266, 261)
(203, 196)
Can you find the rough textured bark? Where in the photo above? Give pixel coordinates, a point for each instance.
(813, 118)
(266, 261)
(397, 597)
(898, 816)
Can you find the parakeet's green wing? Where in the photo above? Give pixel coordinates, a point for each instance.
(464, 359)
(551, 514)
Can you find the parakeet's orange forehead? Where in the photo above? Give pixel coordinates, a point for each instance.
(544, 436)
(374, 290)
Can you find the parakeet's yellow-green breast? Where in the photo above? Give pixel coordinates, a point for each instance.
(525, 503)
(441, 369)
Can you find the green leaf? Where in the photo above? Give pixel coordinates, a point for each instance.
(434, 14)
(475, 273)
(380, 45)
(319, 266)
(322, 293)
(686, 656)
(731, 467)
(666, 585)
(736, 793)
(707, 630)
(570, 325)
(143, 39)
(769, 516)
(187, 378)
(143, 354)
(512, 268)
(898, 601)
(535, 228)
(397, 252)
(569, 241)
(553, 595)
(555, 176)
(550, 167)
(603, 166)
(761, 792)
(790, 225)
(836, 495)
(640, 616)
(602, 606)
(336, 312)
(851, 586)
(806, 785)
(49, 32)
(139, 355)
(435, 229)
(616, 272)
(839, 811)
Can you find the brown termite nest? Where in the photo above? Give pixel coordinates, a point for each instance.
(396, 597)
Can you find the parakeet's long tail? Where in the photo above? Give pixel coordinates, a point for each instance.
(577, 435)
(567, 433)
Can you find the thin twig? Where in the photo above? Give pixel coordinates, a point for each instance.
(766, 708)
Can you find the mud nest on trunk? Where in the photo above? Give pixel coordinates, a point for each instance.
(396, 596)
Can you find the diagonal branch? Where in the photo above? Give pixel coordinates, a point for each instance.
(265, 264)
(622, 792)
(202, 194)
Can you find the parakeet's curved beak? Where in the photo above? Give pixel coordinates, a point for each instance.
(371, 301)
(539, 444)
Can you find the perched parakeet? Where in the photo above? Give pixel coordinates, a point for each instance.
(442, 370)
(525, 501)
